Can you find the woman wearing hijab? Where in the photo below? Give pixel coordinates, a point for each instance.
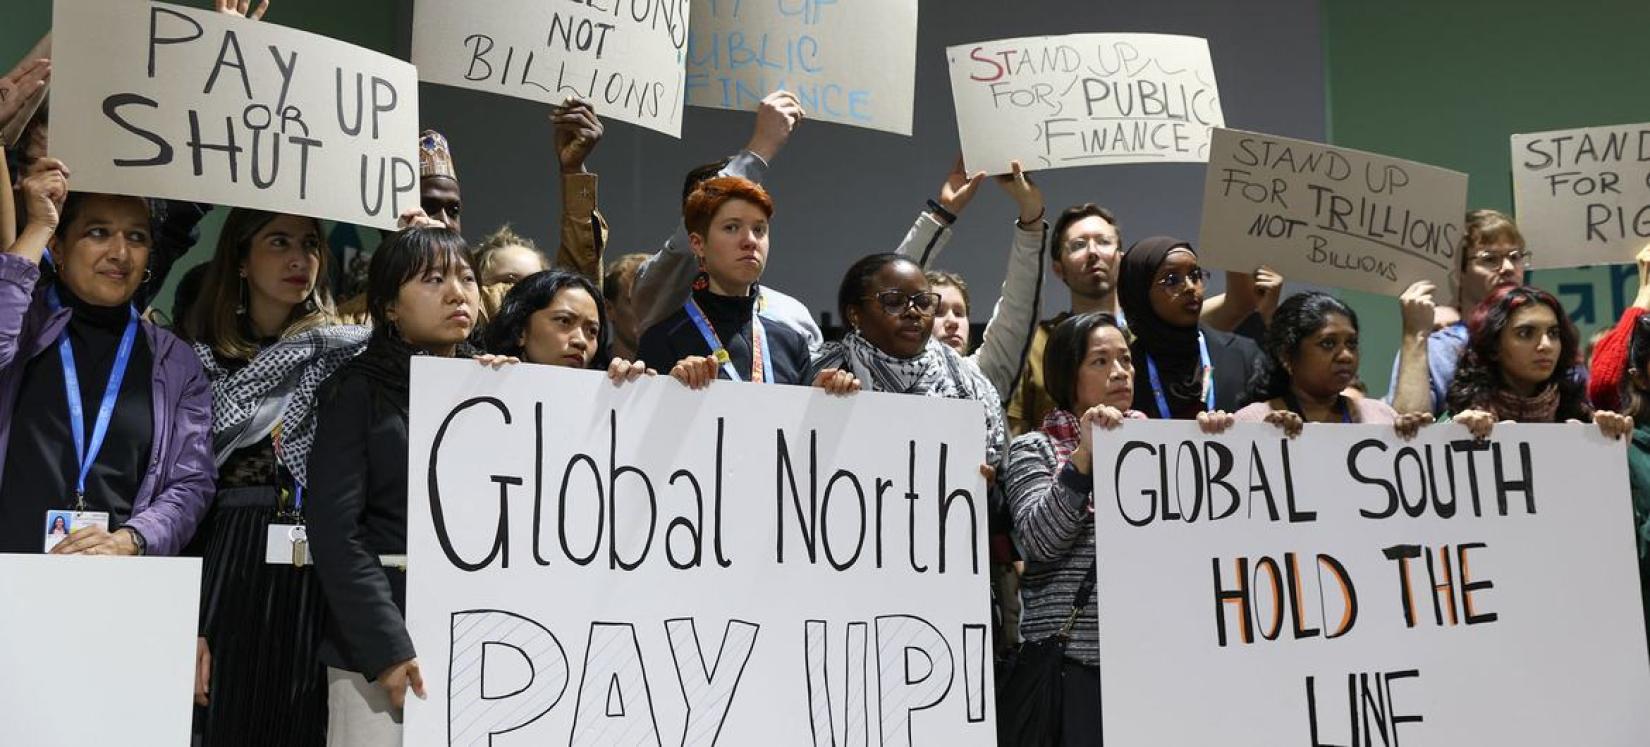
(1188, 368)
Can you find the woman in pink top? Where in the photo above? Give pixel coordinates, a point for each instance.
(1311, 360)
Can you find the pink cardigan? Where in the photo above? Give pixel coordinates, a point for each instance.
(1367, 410)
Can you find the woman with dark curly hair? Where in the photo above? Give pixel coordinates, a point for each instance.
(1311, 359)
(556, 318)
(1519, 366)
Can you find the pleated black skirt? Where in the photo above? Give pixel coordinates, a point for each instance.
(263, 624)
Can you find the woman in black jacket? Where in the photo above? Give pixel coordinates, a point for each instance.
(422, 296)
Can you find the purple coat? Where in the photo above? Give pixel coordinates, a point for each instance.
(180, 481)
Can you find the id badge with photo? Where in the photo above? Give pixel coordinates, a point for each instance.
(61, 524)
(288, 545)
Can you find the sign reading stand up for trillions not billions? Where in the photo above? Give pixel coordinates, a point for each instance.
(646, 565)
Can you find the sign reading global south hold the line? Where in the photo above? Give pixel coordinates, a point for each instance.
(1334, 216)
(625, 58)
(1583, 196)
(851, 62)
(619, 566)
(166, 101)
(1054, 102)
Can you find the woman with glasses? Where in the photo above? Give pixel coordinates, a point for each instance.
(1190, 371)
(722, 332)
(889, 308)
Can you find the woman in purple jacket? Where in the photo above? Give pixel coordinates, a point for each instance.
(99, 410)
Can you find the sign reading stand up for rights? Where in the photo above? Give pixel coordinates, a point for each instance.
(1583, 196)
(1348, 587)
(161, 100)
(1054, 102)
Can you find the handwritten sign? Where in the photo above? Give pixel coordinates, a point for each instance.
(51, 636)
(1054, 102)
(645, 565)
(160, 100)
(626, 58)
(1321, 214)
(852, 62)
(1346, 587)
(1583, 196)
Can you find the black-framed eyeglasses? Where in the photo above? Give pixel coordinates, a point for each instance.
(895, 302)
(1174, 280)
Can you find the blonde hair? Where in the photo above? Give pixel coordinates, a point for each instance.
(500, 239)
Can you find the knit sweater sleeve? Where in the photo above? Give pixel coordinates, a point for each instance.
(1049, 509)
(1610, 362)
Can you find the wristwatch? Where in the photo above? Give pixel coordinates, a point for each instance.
(137, 539)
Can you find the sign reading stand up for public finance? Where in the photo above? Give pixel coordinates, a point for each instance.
(1339, 217)
(162, 100)
(1347, 587)
(1583, 196)
(851, 62)
(1053, 102)
(592, 564)
(625, 58)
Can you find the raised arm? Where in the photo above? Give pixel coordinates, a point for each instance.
(583, 229)
(1411, 384)
(1007, 337)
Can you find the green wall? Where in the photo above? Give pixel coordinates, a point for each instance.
(1446, 82)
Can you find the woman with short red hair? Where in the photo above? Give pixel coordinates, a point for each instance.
(722, 332)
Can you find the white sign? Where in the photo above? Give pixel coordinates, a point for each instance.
(1054, 102)
(1583, 196)
(160, 100)
(1349, 588)
(852, 62)
(1334, 216)
(643, 565)
(625, 58)
(93, 647)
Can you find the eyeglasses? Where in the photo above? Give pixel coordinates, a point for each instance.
(1174, 280)
(894, 302)
(1080, 243)
(1495, 260)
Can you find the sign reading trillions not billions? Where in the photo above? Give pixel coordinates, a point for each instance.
(646, 565)
(1347, 587)
(1054, 102)
(161, 100)
(625, 57)
(1583, 196)
(851, 62)
(1339, 217)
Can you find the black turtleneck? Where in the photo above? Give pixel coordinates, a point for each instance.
(40, 458)
(675, 338)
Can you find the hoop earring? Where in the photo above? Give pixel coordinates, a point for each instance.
(147, 275)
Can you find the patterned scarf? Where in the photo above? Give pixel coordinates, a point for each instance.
(277, 390)
(1541, 408)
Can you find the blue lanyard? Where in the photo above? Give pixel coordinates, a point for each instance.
(759, 345)
(1208, 381)
(84, 451)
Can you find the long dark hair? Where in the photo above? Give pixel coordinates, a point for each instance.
(405, 255)
(1299, 316)
(1063, 356)
(1635, 401)
(530, 296)
(214, 319)
(1479, 376)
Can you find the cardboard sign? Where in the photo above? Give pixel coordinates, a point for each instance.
(1583, 196)
(1333, 216)
(625, 58)
(852, 62)
(1347, 587)
(593, 564)
(160, 100)
(64, 616)
(1054, 102)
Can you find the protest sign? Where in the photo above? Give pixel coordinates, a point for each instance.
(1339, 217)
(1054, 102)
(644, 564)
(1347, 587)
(131, 620)
(625, 58)
(161, 100)
(1583, 196)
(852, 62)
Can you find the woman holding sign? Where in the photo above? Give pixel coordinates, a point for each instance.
(423, 299)
(264, 331)
(1193, 371)
(722, 332)
(1520, 366)
(556, 318)
(101, 413)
